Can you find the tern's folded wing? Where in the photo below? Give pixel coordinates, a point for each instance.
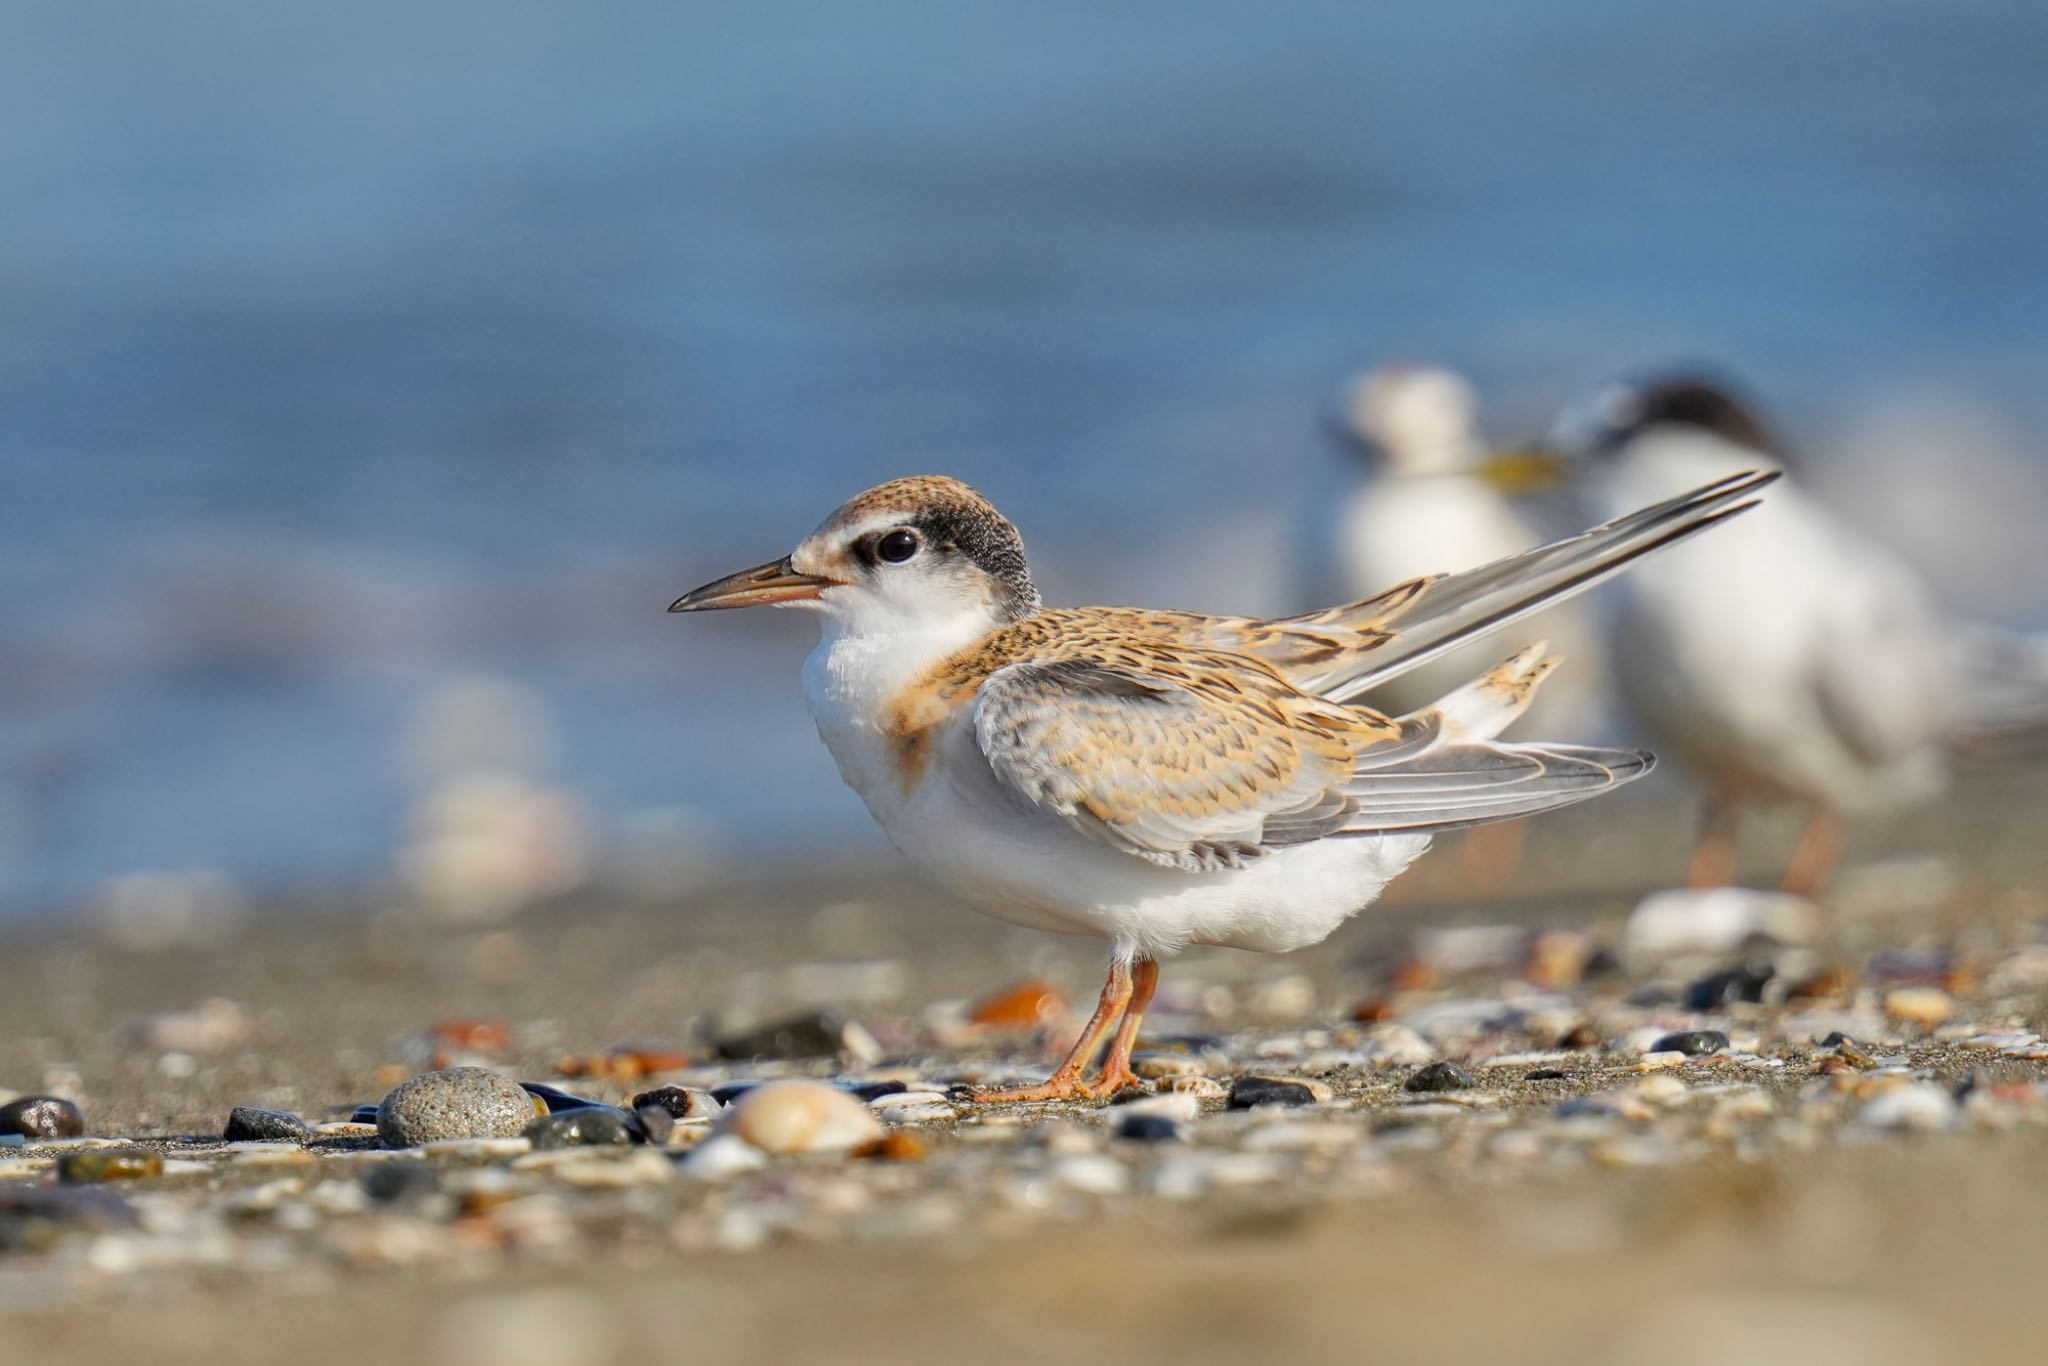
(1200, 768)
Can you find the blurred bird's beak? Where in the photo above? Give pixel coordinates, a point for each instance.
(1529, 469)
(765, 585)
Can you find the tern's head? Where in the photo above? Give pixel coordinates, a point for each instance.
(908, 556)
(1418, 419)
(1609, 422)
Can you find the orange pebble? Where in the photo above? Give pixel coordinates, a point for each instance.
(1024, 1006)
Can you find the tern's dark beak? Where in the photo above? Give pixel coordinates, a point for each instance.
(764, 585)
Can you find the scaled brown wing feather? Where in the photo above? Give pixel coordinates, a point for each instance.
(1194, 768)
(1206, 767)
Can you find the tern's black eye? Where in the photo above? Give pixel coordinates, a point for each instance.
(898, 546)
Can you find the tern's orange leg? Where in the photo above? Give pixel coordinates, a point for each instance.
(1815, 855)
(1065, 1083)
(1713, 855)
(1116, 1074)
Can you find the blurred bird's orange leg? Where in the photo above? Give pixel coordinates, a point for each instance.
(1815, 855)
(1713, 854)
(1116, 1074)
(1065, 1082)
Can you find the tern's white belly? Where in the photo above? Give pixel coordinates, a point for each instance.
(1013, 861)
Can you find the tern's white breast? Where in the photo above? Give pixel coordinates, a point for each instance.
(1012, 860)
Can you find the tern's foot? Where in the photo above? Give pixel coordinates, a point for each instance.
(1110, 1080)
(1056, 1087)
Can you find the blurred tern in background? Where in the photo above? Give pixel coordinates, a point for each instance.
(1789, 657)
(1422, 493)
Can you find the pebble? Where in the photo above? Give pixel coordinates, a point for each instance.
(33, 1215)
(1715, 920)
(1439, 1076)
(1745, 981)
(109, 1164)
(1179, 1106)
(1158, 1066)
(477, 1149)
(813, 1034)
(456, 1102)
(655, 1124)
(405, 1179)
(913, 1107)
(875, 1090)
(41, 1117)
(553, 1100)
(1028, 1005)
(1395, 1045)
(1693, 1043)
(1923, 1006)
(1916, 1105)
(585, 1127)
(1660, 1088)
(209, 1027)
(641, 1167)
(1091, 1174)
(253, 1124)
(1245, 1092)
(1287, 998)
(1299, 1136)
(1148, 1128)
(801, 1117)
(721, 1157)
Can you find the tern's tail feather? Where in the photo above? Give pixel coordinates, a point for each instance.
(1450, 772)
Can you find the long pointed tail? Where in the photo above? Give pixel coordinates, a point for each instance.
(1411, 624)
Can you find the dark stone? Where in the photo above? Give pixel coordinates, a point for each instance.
(363, 1114)
(1146, 1128)
(1601, 963)
(1246, 1092)
(32, 1217)
(655, 1123)
(590, 1126)
(252, 1124)
(871, 1090)
(1694, 1043)
(109, 1164)
(1743, 982)
(732, 1091)
(678, 1102)
(815, 1034)
(1837, 1039)
(1546, 1074)
(557, 1101)
(41, 1117)
(1439, 1076)
(405, 1179)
